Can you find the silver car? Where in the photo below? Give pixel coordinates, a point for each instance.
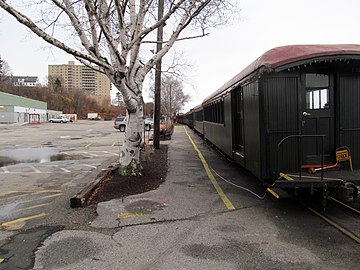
(120, 123)
(59, 119)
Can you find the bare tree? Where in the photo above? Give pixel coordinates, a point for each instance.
(118, 100)
(5, 70)
(173, 97)
(109, 36)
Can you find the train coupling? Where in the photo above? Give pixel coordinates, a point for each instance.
(347, 192)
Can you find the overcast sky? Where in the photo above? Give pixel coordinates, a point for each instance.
(265, 24)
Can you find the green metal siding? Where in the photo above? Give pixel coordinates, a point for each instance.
(12, 100)
(281, 92)
(252, 128)
(216, 132)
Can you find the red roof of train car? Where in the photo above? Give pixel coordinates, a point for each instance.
(285, 55)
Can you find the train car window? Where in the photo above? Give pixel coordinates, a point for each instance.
(214, 112)
(317, 99)
(317, 80)
(317, 91)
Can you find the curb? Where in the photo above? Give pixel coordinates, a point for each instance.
(81, 199)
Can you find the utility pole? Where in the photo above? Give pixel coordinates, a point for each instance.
(158, 79)
(170, 109)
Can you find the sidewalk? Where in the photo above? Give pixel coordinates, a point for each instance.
(177, 198)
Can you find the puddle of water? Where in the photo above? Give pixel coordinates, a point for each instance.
(33, 155)
(7, 209)
(67, 157)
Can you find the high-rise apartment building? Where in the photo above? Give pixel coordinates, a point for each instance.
(73, 76)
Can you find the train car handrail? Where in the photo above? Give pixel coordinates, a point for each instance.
(300, 150)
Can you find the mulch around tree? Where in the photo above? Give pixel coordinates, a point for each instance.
(152, 175)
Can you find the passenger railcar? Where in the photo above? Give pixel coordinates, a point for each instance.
(291, 108)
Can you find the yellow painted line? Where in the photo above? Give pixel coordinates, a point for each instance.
(41, 198)
(52, 196)
(12, 222)
(29, 191)
(32, 207)
(33, 192)
(285, 176)
(219, 190)
(130, 215)
(48, 191)
(113, 144)
(273, 193)
(86, 146)
(16, 191)
(11, 197)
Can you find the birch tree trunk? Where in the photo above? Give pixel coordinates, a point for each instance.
(131, 89)
(130, 151)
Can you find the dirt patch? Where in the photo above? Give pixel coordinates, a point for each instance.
(153, 174)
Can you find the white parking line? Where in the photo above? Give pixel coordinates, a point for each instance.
(35, 170)
(107, 152)
(91, 166)
(65, 170)
(94, 155)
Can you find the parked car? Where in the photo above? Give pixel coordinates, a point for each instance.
(120, 123)
(149, 123)
(58, 119)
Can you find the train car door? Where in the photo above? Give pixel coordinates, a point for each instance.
(318, 118)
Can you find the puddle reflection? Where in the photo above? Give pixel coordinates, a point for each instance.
(33, 155)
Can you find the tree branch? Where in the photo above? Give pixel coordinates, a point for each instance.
(53, 41)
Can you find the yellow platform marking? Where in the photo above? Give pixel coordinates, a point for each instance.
(219, 190)
(273, 193)
(13, 222)
(285, 176)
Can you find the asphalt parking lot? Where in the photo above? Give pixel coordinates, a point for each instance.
(42, 165)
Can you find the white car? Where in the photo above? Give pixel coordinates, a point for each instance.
(58, 119)
(149, 123)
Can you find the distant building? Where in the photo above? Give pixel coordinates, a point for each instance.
(73, 76)
(16, 109)
(31, 81)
